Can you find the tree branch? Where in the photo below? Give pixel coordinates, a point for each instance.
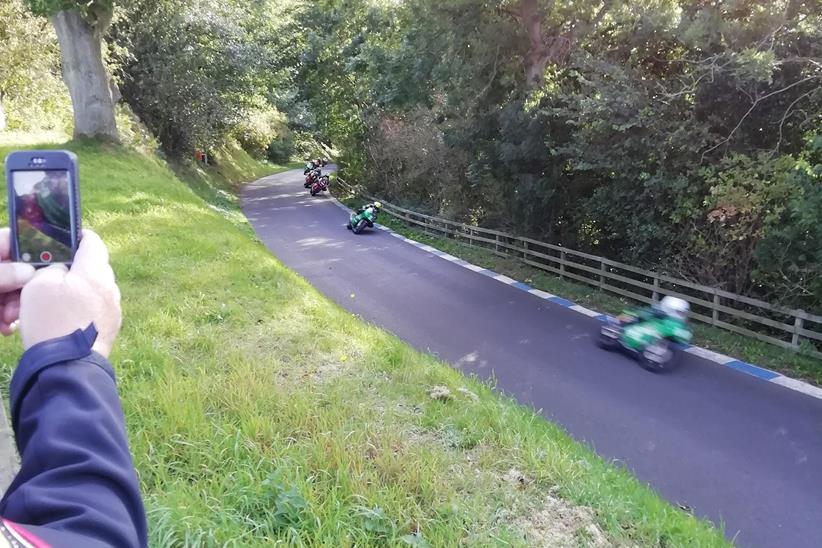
(785, 116)
(516, 14)
(753, 106)
(484, 90)
(606, 5)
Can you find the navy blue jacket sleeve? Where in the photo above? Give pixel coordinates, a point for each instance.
(77, 482)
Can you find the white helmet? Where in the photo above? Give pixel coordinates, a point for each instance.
(675, 307)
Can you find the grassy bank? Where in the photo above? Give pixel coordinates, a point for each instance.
(793, 364)
(260, 413)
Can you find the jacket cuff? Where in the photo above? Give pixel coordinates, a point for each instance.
(43, 355)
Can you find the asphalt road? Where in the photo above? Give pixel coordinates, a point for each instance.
(734, 448)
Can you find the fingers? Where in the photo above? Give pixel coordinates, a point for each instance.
(5, 327)
(10, 313)
(11, 310)
(5, 244)
(14, 276)
(55, 273)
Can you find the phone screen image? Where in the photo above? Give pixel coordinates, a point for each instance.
(43, 215)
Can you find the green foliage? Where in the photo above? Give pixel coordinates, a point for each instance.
(197, 71)
(264, 133)
(629, 129)
(646, 120)
(789, 255)
(32, 94)
(287, 505)
(92, 9)
(375, 522)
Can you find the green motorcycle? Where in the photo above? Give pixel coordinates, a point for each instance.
(364, 217)
(654, 335)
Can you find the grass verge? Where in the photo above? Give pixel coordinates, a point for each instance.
(792, 364)
(260, 413)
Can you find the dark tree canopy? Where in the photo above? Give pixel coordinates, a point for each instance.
(682, 134)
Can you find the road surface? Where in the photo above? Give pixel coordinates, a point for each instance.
(735, 449)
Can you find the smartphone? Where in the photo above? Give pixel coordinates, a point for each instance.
(44, 206)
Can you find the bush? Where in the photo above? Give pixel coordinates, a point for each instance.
(281, 149)
(262, 129)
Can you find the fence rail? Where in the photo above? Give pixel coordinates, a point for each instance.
(791, 329)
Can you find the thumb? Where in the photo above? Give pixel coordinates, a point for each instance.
(91, 255)
(14, 276)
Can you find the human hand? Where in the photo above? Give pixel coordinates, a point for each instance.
(59, 301)
(13, 276)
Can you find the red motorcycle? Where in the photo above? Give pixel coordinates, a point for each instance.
(320, 185)
(312, 176)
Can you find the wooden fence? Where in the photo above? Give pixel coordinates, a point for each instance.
(792, 329)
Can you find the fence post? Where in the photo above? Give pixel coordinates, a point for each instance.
(655, 295)
(715, 310)
(562, 264)
(496, 243)
(524, 249)
(798, 324)
(602, 275)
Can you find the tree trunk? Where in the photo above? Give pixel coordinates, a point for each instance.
(545, 47)
(85, 75)
(537, 57)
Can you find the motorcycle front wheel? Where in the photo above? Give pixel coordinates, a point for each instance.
(607, 336)
(660, 356)
(360, 227)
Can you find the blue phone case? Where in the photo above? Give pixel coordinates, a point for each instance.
(44, 160)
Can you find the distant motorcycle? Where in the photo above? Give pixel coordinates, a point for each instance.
(363, 218)
(314, 164)
(319, 185)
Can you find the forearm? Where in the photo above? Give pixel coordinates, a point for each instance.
(76, 472)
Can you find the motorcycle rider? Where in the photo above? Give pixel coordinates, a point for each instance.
(669, 307)
(311, 165)
(376, 206)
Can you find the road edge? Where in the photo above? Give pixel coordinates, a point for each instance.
(709, 355)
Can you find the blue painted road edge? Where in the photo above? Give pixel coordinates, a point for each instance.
(710, 355)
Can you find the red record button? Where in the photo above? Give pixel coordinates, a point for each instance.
(45, 256)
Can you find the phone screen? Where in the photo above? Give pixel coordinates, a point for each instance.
(43, 215)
